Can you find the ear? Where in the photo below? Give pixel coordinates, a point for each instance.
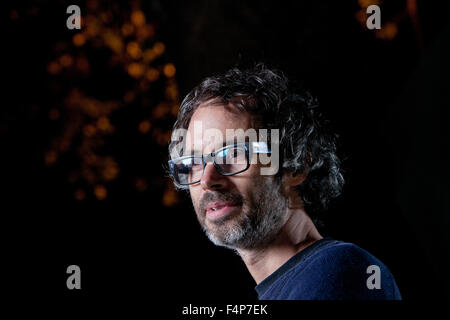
(293, 179)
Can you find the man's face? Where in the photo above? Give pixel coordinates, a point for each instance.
(244, 211)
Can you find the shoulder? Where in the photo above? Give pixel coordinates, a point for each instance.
(343, 252)
(341, 270)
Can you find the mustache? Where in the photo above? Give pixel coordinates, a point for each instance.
(233, 198)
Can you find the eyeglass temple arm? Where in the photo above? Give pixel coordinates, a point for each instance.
(259, 147)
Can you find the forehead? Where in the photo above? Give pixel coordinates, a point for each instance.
(212, 124)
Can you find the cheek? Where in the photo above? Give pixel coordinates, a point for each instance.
(248, 187)
(194, 196)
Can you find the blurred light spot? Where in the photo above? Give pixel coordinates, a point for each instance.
(89, 130)
(171, 92)
(160, 110)
(138, 18)
(64, 145)
(92, 5)
(106, 16)
(90, 159)
(144, 85)
(113, 41)
(79, 40)
(80, 194)
(33, 11)
(128, 97)
(411, 6)
(175, 108)
(110, 172)
(100, 192)
(50, 157)
(361, 16)
(73, 177)
(66, 60)
(90, 107)
(161, 137)
(127, 29)
(53, 68)
(88, 175)
(135, 70)
(170, 198)
(159, 48)
(152, 74)
(169, 70)
(144, 126)
(149, 55)
(134, 50)
(387, 32)
(53, 114)
(93, 26)
(145, 32)
(14, 15)
(141, 184)
(83, 64)
(366, 3)
(104, 124)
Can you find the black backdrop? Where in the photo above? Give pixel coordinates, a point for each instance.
(384, 98)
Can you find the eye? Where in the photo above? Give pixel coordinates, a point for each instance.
(235, 153)
(196, 164)
(183, 167)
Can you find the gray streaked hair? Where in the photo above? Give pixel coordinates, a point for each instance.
(307, 145)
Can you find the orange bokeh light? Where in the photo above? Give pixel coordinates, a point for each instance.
(100, 192)
(169, 70)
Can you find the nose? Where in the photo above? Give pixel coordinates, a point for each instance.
(212, 179)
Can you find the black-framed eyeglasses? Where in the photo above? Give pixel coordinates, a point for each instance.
(228, 161)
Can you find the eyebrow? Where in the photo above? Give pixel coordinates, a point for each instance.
(224, 144)
(192, 152)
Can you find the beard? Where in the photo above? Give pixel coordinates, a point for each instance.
(260, 219)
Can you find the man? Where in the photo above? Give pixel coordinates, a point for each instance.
(265, 210)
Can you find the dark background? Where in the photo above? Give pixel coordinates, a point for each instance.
(383, 94)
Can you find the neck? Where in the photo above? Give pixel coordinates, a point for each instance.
(298, 233)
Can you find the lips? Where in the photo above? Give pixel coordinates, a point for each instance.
(217, 210)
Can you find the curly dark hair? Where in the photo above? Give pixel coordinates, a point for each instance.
(307, 145)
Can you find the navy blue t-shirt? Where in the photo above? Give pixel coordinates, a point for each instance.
(329, 270)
